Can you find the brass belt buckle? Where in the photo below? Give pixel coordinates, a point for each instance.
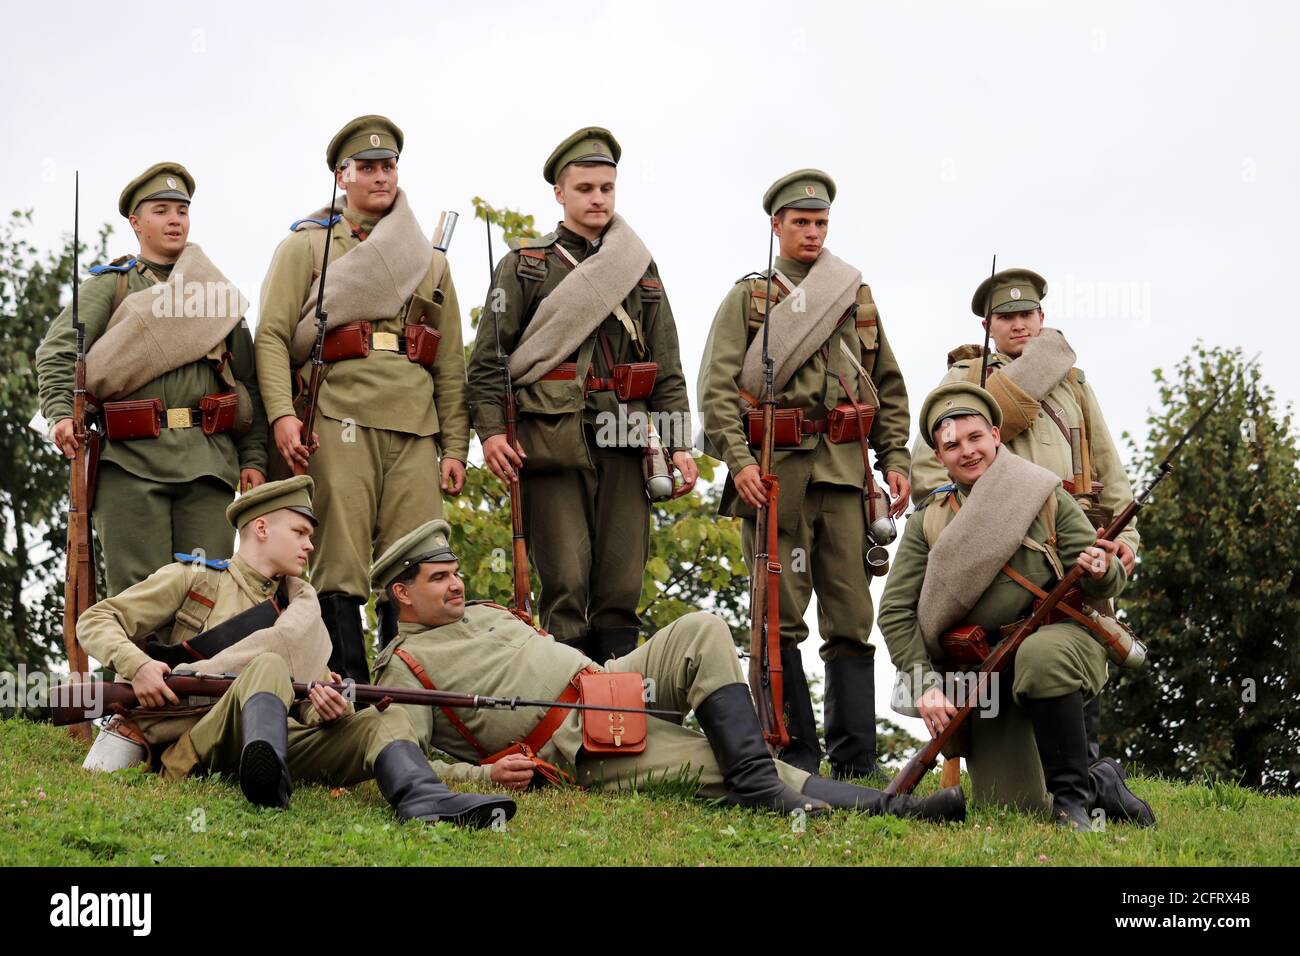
(180, 418)
(384, 341)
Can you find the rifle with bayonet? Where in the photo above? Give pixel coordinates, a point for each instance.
(1005, 652)
(318, 347)
(988, 327)
(73, 703)
(79, 589)
(766, 681)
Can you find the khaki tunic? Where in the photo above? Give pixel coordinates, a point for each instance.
(1043, 444)
(384, 421)
(1055, 660)
(490, 652)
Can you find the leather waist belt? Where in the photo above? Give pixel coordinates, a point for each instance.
(568, 371)
(147, 417)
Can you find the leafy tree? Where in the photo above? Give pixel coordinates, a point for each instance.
(1216, 595)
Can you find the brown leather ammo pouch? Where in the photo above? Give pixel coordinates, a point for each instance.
(787, 427)
(635, 380)
(347, 342)
(612, 731)
(847, 422)
(138, 418)
(965, 645)
(422, 344)
(219, 411)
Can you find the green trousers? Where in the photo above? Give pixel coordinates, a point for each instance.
(588, 536)
(682, 664)
(1003, 762)
(141, 523)
(825, 554)
(372, 486)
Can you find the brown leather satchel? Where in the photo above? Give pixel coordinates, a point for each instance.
(965, 645)
(422, 344)
(347, 342)
(787, 427)
(219, 411)
(137, 418)
(612, 731)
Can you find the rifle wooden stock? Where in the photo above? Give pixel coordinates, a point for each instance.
(70, 704)
(523, 585)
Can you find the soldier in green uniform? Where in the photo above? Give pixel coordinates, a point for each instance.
(170, 358)
(979, 553)
(689, 665)
(572, 309)
(1051, 415)
(256, 730)
(392, 429)
(829, 349)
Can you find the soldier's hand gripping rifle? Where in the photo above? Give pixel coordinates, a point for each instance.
(766, 681)
(318, 347)
(523, 585)
(79, 590)
(72, 703)
(1004, 653)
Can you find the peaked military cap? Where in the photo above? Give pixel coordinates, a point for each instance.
(159, 181)
(802, 189)
(592, 144)
(954, 399)
(1011, 290)
(366, 137)
(291, 493)
(429, 542)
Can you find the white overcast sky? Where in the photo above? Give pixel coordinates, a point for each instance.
(1142, 157)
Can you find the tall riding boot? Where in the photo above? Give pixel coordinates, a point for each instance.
(264, 761)
(1092, 721)
(409, 784)
(805, 751)
(387, 615)
(947, 804)
(1114, 797)
(728, 719)
(342, 616)
(1063, 749)
(851, 717)
(606, 643)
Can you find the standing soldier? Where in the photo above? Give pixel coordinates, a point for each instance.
(392, 428)
(592, 347)
(170, 363)
(830, 353)
(1050, 414)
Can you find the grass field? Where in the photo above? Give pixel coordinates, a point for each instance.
(54, 813)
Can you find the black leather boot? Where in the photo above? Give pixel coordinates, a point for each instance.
(387, 614)
(1114, 797)
(805, 751)
(851, 717)
(947, 804)
(1063, 749)
(342, 616)
(409, 784)
(1092, 723)
(606, 643)
(728, 719)
(264, 760)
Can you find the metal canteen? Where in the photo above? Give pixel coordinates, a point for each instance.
(111, 751)
(658, 479)
(883, 530)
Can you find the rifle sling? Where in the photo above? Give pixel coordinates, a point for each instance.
(216, 639)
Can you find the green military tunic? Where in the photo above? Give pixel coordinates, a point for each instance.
(822, 515)
(200, 735)
(1042, 443)
(384, 421)
(491, 652)
(586, 514)
(167, 494)
(1055, 660)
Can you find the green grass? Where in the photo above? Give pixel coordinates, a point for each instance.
(54, 813)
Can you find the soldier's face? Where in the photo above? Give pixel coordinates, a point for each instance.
(587, 195)
(966, 447)
(285, 538)
(163, 228)
(801, 233)
(1011, 330)
(436, 595)
(371, 185)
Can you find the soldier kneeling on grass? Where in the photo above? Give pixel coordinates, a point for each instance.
(445, 643)
(256, 730)
(973, 559)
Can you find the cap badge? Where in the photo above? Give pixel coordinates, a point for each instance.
(595, 147)
(374, 139)
(171, 183)
(1014, 293)
(810, 191)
